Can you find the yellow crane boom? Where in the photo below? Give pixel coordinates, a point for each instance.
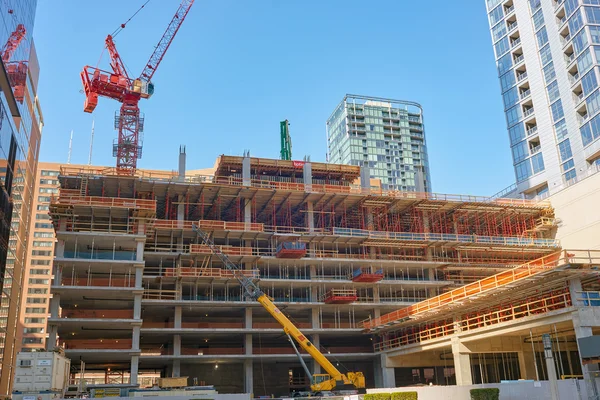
(333, 378)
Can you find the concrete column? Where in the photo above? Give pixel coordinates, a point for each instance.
(246, 175)
(376, 294)
(384, 376)
(57, 272)
(52, 337)
(140, 250)
(314, 318)
(310, 216)
(575, 290)
(376, 313)
(248, 343)
(316, 340)
(135, 360)
(55, 305)
(462, 363)
(135, 338)
(314, 293)
(137, 306)
(307, 176)
(431, 292)
(138, 277)
(583, 330)
(176, 345)
(60, 249)
(248, 377)
(176, 369)
(177, 319)
(247, 211)
(248, 318)
(180, 208)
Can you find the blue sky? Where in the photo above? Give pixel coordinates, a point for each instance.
(238, 67)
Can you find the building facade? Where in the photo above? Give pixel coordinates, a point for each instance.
(20, 134)
(135, 292)
(547, 54)
(387, 136)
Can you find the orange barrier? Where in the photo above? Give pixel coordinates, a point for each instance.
(503, 278)
(100, 344)
(100, 282)
(210, 225)
(96, 201)
(229, 250)
(116, 314)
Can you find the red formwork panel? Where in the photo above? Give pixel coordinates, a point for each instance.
(291, 250)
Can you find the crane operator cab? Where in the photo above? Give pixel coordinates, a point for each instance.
(145, 89)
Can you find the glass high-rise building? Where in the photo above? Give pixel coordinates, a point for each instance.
(548, 53)
(385, 135)
(20, 134)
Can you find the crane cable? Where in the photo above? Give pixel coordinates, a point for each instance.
(122, 26)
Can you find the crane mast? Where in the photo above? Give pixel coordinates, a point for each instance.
(334, 378)
(117, 85)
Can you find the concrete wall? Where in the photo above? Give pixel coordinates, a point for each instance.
(576, 208)
(527, 390)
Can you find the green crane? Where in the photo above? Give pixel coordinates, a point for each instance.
(286, 140)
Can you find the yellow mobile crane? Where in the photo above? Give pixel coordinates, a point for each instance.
(333, 379)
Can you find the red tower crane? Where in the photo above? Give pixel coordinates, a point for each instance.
(16, 70)
(119, 86)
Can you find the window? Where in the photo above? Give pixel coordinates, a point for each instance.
(523, 170)
(37, 291)
(38, 281)
(519, 152)
(43, 207)
(35, 320)
(41, 225)
(546, 55)
(33, 340)
(501, 47)
(575, 22)
(44, 199)
(557, 110)
(537, 162)
(496, 15)
(592, 14)
(564, 149)
(498, 31)
(513, 115)
(594, 33)
(553, 92)
(505, 63)
(42, 216)
(49, 190)
(542, 37)
(37, 300)
(590, 131)
(570, 6)
(35, 310)
(516, 133)
(49, 173)
(37, 243)
(584, 61)
(511, 97)
(33, 330)
(40, 271)
(43, 234)
(49, 182)
(580, 42)
(570, 175)
(549, 73)
(589, 82)
(41, 252)
(507, 81)
(568, 165)
(560, 128)
(538, 19)
(593, 103)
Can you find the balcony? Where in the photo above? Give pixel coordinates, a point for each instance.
(574, 78)
(582, 118)
(518, 59)
(511, 26)
(509, 10)
(535, 149)
(557, 4)
(532, 131)
(515, 43)
(525, 94)
(521, 76)
(569, 58)
(565, 39)
(528, 112)
(578, 98)
(560, 21)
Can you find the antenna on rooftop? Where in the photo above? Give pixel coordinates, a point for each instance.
(91, 144)
(70, 148)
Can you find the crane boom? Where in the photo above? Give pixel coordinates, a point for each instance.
(13, 42)
(327, 381)
(116, 63)
(165, 40)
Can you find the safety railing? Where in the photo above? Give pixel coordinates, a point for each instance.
(229, 250)
(161, 294)
(97, 314)
(96, 344)
(112, 255)
(197, 272)
(548, 301)
(104, 227)
(111, 202)
(489, 284)
(209, 225)
(116, 281)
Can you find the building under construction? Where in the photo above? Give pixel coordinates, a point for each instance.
(372, 276)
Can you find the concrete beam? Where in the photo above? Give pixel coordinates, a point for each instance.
(462, 363)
